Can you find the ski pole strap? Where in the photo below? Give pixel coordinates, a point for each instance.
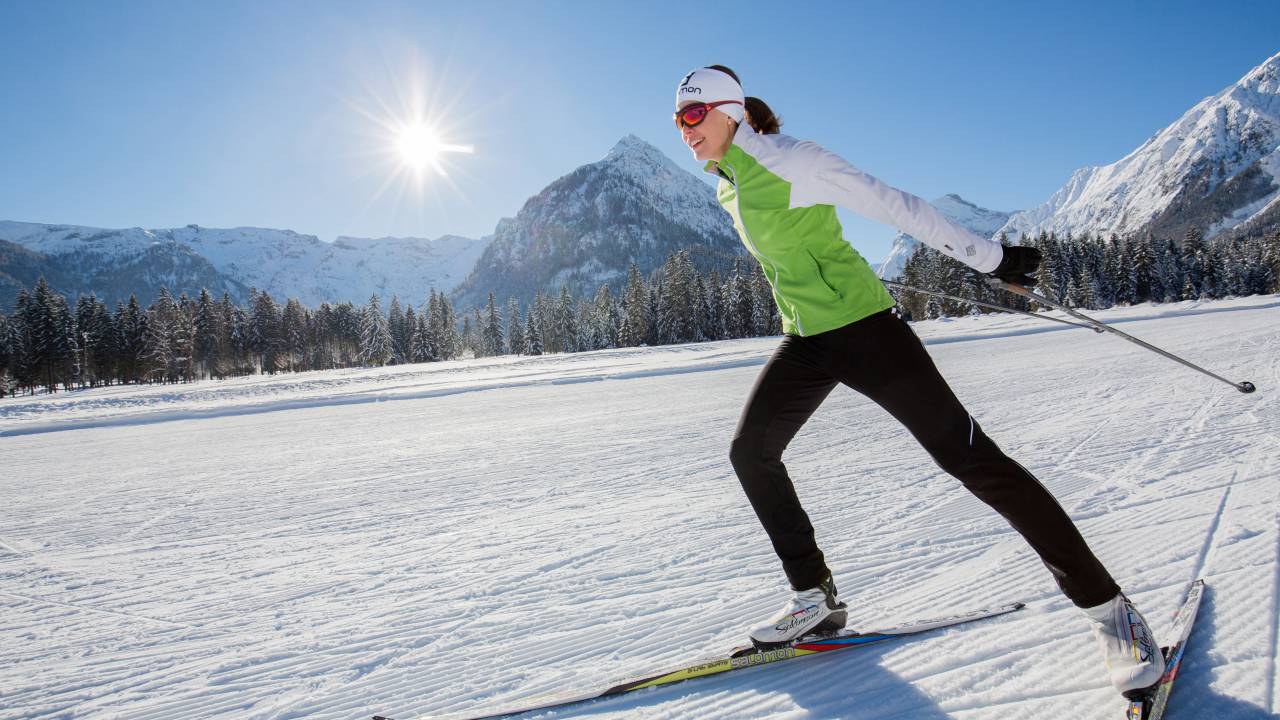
(1244, 386)
(992, 306)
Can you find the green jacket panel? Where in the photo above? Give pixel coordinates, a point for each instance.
(781, 194)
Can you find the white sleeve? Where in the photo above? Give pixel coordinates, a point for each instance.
(820, 177)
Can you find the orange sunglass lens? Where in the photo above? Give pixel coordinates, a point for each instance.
(692, 115)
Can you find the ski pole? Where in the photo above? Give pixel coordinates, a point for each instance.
(1244, 386)
(992, 306)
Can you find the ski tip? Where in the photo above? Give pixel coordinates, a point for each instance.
(1019, 605)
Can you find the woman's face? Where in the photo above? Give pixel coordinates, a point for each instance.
(711, 138)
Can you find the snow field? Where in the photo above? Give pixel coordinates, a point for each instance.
(437, 539)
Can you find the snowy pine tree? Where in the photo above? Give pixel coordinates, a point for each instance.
(604, 319)
(714, 298)
(264, 332)
(515, 328)
(762, 305)
(208, 345)
(376, 344)
(533, 329)
(293, 335)
(491, 335)
(738, 305)
(184, 340)
(8, 382)
(566, 330)
(162, 328)
(400, 332)
(635, 303)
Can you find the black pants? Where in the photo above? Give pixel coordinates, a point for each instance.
(883, 359)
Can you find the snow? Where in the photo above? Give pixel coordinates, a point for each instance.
(1269, 164)
(435, 539)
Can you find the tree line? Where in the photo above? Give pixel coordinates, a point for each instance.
(1090, 272)
(47, 343)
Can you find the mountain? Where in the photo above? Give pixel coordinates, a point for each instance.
(113, 274)
(1216, 168)
(587, 227)
(115, 263)
(977, 220)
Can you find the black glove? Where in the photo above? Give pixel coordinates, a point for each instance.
(1017, 265)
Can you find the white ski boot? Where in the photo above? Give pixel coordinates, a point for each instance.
(817, 610)
(1133, 658)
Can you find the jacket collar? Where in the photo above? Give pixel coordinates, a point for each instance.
(744, 130)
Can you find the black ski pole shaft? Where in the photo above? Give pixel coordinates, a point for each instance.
(1244, 386)
(991, 306)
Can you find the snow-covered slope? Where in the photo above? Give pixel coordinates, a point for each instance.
(282, 262)
(430, 539)
(1182, 176)
(977, 220)
(587, 227)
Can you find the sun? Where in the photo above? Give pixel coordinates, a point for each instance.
(420, 147)
(412, 124)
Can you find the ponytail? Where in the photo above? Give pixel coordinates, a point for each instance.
(759, 115)
(762, 118)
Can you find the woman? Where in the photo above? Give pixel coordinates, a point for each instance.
(840, 326)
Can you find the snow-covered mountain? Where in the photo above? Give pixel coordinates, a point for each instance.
(115, 263)
(588, 226)
(1216, 168)
(977, 220)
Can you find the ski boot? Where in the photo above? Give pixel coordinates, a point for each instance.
(1133, 658)
(814, 611)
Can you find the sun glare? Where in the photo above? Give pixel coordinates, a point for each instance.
(413, 123)
(420, 147)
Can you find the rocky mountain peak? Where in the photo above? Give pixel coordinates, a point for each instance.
(1265, 78)
(586, 228)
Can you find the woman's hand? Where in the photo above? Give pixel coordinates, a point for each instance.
(1017, 265)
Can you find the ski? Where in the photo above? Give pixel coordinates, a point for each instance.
(737, 659)
(1152, 706)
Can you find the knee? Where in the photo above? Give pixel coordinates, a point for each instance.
(747, 453)
(963, 449)
(955, 460)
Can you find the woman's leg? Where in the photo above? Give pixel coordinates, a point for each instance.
(882, 358)
(788, 390)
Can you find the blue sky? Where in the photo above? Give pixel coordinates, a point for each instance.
(276, 114)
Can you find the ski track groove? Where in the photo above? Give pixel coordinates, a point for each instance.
(11, 548)
(1272, 660)
(85, 608)
(1207, 546)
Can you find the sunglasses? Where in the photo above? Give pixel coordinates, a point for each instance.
(692, 115)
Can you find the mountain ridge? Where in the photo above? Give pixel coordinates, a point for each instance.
(1167, 185)
(284, 263)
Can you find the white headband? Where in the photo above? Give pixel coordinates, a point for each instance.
(708, 86)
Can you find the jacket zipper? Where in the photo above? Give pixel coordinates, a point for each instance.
(733, 180)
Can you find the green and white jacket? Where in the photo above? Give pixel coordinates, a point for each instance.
(782, 193)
